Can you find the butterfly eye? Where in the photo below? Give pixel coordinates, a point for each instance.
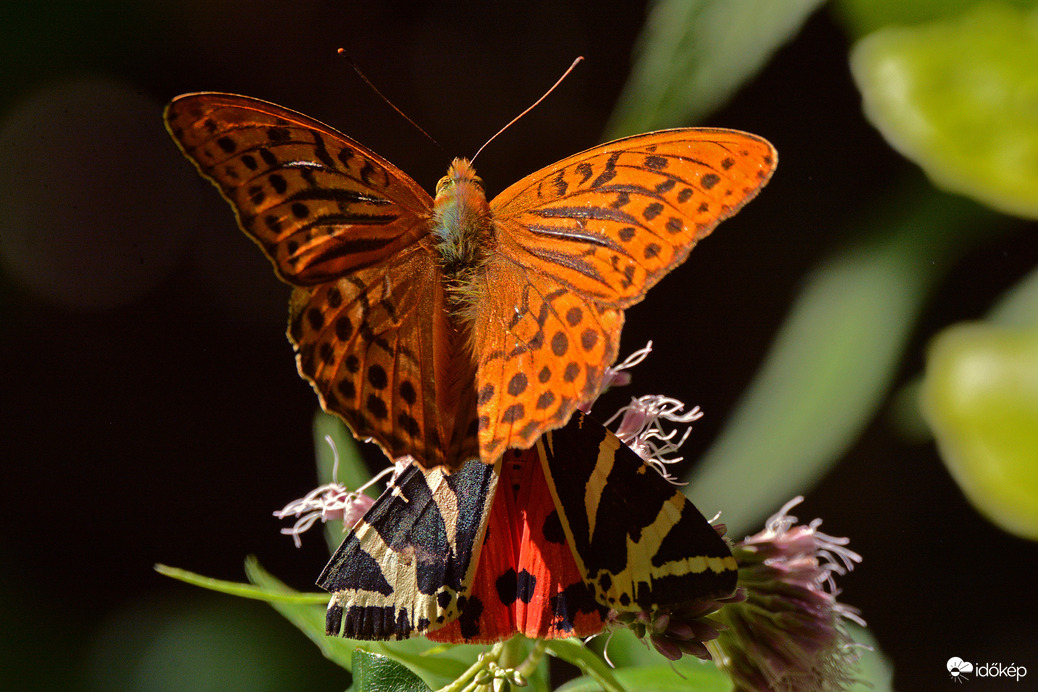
(445, 183)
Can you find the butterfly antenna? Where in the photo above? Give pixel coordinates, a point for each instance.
(364, 78)
(534, 105)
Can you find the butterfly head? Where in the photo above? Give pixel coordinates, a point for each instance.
(461, 220)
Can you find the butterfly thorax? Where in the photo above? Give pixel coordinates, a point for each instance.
(461, 224)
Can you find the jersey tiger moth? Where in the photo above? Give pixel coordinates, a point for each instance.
(544, 543)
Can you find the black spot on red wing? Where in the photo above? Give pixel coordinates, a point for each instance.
(552, 528)
(588, 339)
(408, 393)
(727, 163)
(316, 318)
(486, 393)
(468, 621)
(227, 144)
(277, 134)
(525, 586)
(376, 407)
(571, 372)
(352, 364)
(377, 376)
(559, 344)
(544, 375)
(652, 211)
(709, 180)
(278, 182)
(300, 210)
(513, 414)
(517, 385)
(506, 587)
(571, 602)
(347, 389)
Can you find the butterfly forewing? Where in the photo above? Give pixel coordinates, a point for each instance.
(317, 202)
(610, 222)
(351, 230)
(580, 241)
(637, 540)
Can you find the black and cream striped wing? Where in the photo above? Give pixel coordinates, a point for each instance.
(402, 570)
(638, 542)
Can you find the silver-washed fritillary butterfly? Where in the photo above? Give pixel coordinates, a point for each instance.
(449, 327)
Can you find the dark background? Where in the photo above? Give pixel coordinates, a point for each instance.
(151, 408)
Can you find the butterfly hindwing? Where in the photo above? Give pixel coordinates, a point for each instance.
(527, 581)
(637, 540)
(406, 565)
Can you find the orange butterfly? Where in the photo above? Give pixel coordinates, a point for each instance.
(450, 328)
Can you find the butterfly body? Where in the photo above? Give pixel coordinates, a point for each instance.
(451, 327)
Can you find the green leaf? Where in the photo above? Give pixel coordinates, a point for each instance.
(980, 396)
(1018, 307)
(960, 98)
(835, 356)
(703, 677)
(269, 594)
(434, 663)
(309, 619)
(693, 55)
(588, 661)
(862, 17)
(373, 672)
